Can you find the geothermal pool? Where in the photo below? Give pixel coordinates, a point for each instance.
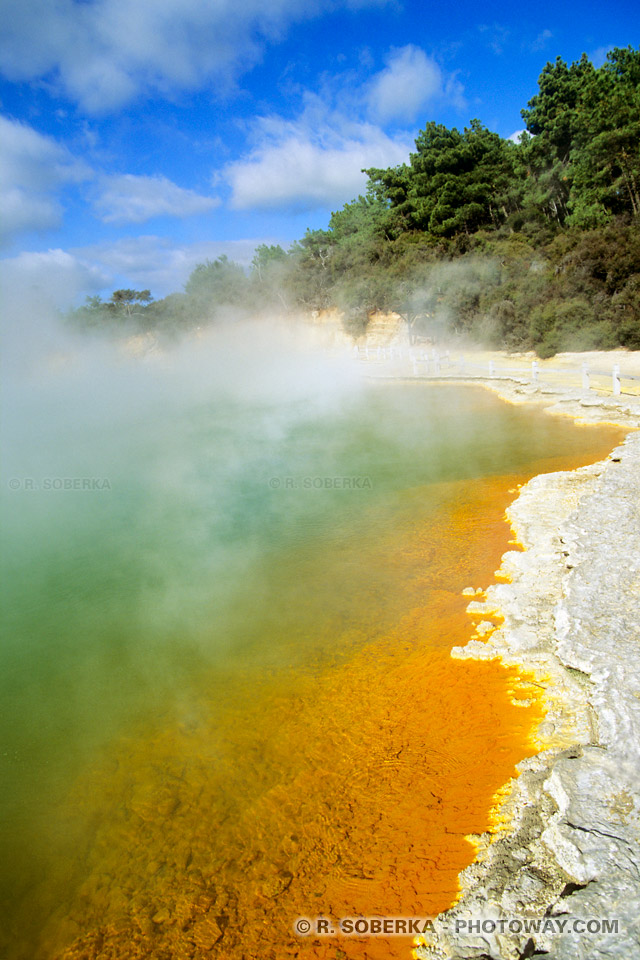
(228, 700)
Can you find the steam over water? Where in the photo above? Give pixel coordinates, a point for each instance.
(232, 511)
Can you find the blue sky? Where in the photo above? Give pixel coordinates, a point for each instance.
(140, 137)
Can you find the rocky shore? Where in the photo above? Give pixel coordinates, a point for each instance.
(565, 855)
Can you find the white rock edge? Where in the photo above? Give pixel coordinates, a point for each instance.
(570, 845)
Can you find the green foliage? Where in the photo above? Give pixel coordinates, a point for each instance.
(583, 159)
(606, 154)
(214, 285)
(266, 258)
(534, 244)
(126, 299)
(456, 182)
(125, 309)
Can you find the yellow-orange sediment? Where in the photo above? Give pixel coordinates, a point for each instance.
(345, 790)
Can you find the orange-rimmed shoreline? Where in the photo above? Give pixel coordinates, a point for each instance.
(531, 811)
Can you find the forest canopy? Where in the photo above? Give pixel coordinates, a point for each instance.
(526, 244)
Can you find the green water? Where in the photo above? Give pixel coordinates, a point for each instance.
(228, 534)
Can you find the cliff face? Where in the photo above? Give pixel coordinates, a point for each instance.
(386, 330)
(327, 329)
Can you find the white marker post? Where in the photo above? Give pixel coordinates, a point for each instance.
(616, 380)
(534, 371)
(492, 368)
(585, 376)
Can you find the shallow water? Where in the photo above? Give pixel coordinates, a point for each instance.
(227, 695)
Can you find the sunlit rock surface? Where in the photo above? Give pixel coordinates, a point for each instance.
(569, 848)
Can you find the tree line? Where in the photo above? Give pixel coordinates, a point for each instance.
(527, 244)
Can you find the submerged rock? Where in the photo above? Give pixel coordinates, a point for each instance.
(205, 933)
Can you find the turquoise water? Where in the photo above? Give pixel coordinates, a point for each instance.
(226, 528)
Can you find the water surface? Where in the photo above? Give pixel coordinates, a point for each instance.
(227, 695)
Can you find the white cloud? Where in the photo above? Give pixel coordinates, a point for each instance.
(317, 159)
(33, 168)
(158, 263)
(136, 199)
(106, 52)
(515, 136)
(454, 92)
(495, 36)
(59, 278)
(541, 41)
(308, 169)
(599, 56)
(409, 81)
(54, 277)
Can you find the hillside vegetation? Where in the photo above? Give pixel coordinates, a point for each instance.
(534, 244)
